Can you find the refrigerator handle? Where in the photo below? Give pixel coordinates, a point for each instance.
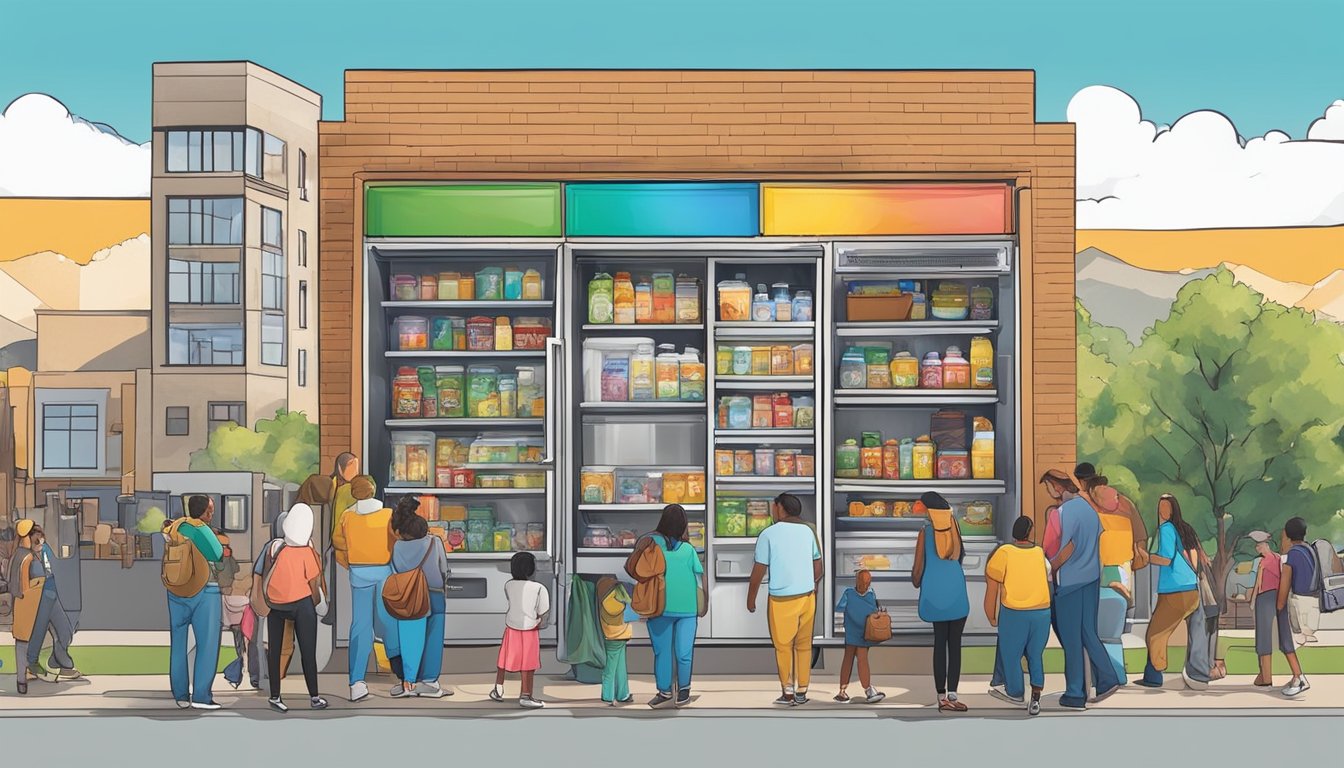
(554, 357)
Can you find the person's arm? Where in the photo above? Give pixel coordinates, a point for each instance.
(1259, 580)
(1166, 542)
(1065, 552)
(1285, 585)
(917, 573)
(317, 585)
(340, 542)
(817, 566)
(758, 571)
(844, 600)
(1136, 524)
(1067, 533)
(543, 607)
(207, 543)
(992, 588)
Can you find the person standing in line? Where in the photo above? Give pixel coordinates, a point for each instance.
(1201, 660)
(789, 553)
(415, 548)
(612, 601)
(672, 632)
(27, 581)
(1017, 601)
(1116, 549)
(529, 608)
(194, 602)
(1269, 618)
(1177, 585)
(1077, 566)
(856, 605)
(51, 619)
(942, 595)
(1297, 589)
(293, 588)
(363, 545)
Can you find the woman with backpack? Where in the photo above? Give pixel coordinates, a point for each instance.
(943, 601)
(1177, 585)
(421, 639)
(292, 589)
(671, 630)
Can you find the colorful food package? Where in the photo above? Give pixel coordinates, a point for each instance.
(730, 517)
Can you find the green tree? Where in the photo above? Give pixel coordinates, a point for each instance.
(1102, 352)
(283, 448)
(1233, 404)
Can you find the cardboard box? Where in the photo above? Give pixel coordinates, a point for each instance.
(860, 309)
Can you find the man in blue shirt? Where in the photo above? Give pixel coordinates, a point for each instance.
(788, 552)
(1078, 594)
(1298, 588)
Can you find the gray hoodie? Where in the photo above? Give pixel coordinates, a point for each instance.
(406, 555)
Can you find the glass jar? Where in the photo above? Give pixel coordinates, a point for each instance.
(802, 307)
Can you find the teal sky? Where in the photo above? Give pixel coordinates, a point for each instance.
(1266, 65)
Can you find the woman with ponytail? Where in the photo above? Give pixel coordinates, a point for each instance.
(1175, 557)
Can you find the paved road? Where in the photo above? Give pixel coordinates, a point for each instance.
(1096, 739)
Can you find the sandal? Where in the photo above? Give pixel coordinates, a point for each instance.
(842, 698)
(1259, 683)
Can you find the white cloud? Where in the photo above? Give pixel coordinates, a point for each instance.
(47, 152)
(1198, 173)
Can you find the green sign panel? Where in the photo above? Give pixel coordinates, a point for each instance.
(463, 210)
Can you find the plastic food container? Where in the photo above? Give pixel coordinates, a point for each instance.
(730, 518)
(448, 284)
(632, 488)
(407, 396)
(412, 459)
(781, 361)
(758, 516)
(480, 334)
(412, 332)
(734, 301)
(804, 412)
(802, 359)
(530, 333)
(762, 412)
(490, 284)
(490, 450)
(847, 459)
(597, 485)
(596, 352)
(786, 463)
(765, 461)
(451, 382)
(739, 412)
(807, 465)
(404, 288)
(954, 465)
(783, 412)
(483, 391)
(429, 287)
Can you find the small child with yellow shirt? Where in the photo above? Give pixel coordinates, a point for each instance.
(1017, 601)
(612, 600)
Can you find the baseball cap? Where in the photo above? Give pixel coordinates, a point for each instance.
(1259, 537)
(24, 527)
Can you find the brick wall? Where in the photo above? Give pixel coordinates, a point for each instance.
(761, 125)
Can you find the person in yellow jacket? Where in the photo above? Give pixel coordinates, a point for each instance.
(363, 542)
(612, 600)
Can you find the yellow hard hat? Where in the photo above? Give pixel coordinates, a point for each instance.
(24, 527)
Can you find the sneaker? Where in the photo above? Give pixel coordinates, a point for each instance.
(39, 672)
(495, 695)
(1297, 687)
(661, 700)
(1001, 694)
(1074, 704)
(1034, 706)
(317, 702)
(683, 697)
(208, 706)
(800, 698)
(1106, 694)
(431, 690)
(627, 700)
(69, 673)
(402, 692)
(359, 691)
(277, 705)
(1193, 684)
(873, 696)
(785, 700)
(527, 702)
(181, 703)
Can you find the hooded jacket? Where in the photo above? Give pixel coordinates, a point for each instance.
(294, 566)
(364, 536)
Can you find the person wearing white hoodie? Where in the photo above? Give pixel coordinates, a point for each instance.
(363, 544)
(293, 588)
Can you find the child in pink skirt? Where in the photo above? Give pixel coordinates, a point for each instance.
(529, 607)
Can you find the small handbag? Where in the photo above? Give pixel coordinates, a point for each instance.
(877, 627)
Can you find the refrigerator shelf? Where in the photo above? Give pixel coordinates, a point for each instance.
(511, 466)
(779, 383)
(873, 397)
(636, 507)
(468, 304)
(795, 436)
(916, 328)
(449, 423)
(590, 327)
(424, 354)
(467, 491)
(491, 555)
(748, 482)
(615, 551)
(640, 406)
(748, 330)
(951, 487)
(730, 541)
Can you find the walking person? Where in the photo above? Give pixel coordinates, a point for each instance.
(1120, 523)
(1177, 585)
(789, 554)
(1201, 659)
(856, 605)
(292, 589)
(1269, 618)
(942, 595)
(667, 552)
(189, 571)
(1077, 569)
(1017, 601)
(612, 602)
(52, 619)
(421, 640)
(27, 582)
(363, 545)
(1298, 589)
(529, 608)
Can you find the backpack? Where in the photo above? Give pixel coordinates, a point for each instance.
(184, 571)
(647, 566)
(261, 605)
(1328, 578)
(406, 593)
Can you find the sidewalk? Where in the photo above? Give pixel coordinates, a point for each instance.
(907, 697)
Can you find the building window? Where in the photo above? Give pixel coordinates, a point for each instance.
(205, 221)
(205, 151)
(273, 160)
(235, 514)
(220, 414)
(252, 153)
(205, 345)
(303, 367)
(303, 175)
(202, 282)
(273, 229)
(303, 248)
(273, 339)
(303, 304)
(69, 436)
(177, 421)
(272, 281)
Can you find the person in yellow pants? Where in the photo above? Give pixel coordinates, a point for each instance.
(789, 554)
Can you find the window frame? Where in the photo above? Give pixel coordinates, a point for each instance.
(303, 305)
(193, 231)
(225, 502)
(238, 357)
(302, 364)
(201, 281)
(273, 351)
(234, 406)
(70, 430)
(200, 147)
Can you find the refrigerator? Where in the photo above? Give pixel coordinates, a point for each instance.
(875, 521)
(493, 481)
(620, 430)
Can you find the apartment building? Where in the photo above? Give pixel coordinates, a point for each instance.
(234, 232)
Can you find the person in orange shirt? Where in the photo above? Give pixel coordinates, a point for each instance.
(363, 544)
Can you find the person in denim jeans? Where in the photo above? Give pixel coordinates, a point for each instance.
(202, 613)
(1077, 598)
(363, 544)
(1017, 601)
(673, 633)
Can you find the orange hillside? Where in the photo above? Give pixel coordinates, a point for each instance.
(1303, 255)
(74, 228)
